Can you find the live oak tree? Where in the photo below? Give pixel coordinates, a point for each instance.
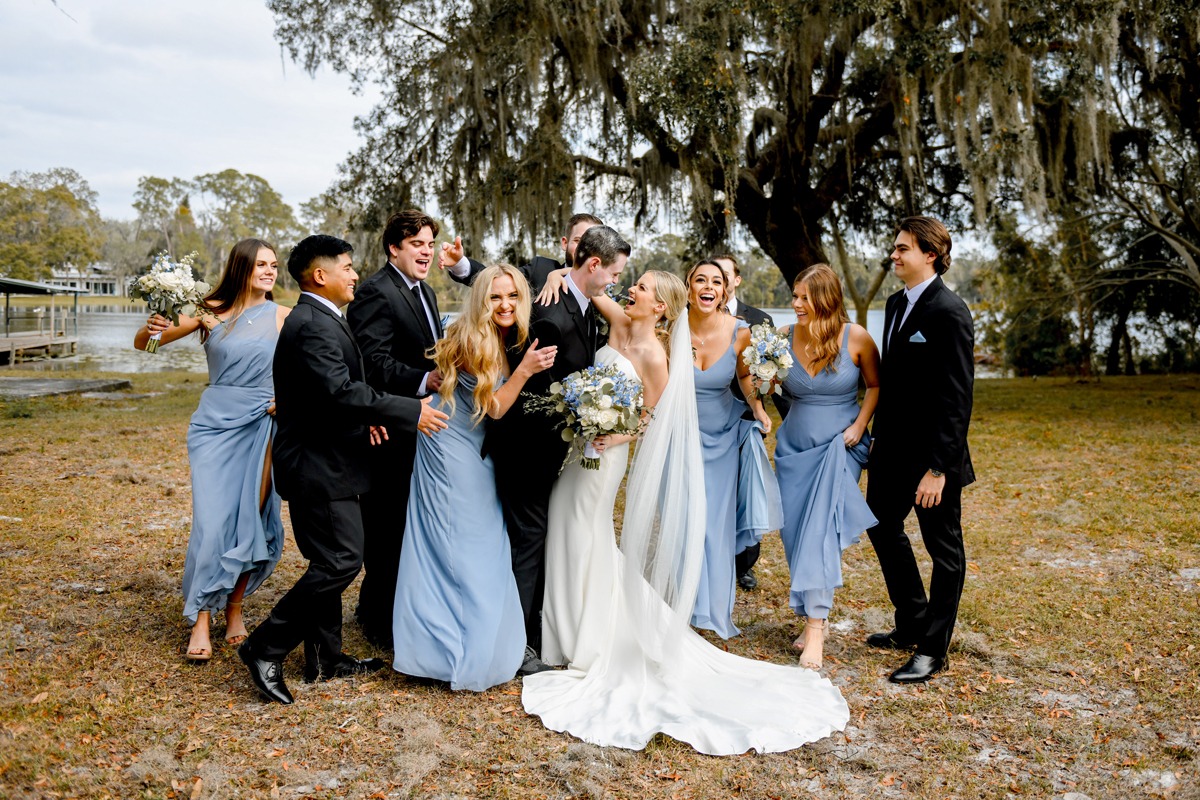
(780, 115)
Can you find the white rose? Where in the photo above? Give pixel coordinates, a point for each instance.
(587, 415)
(767, 370)
(608, 418)
(605, 401)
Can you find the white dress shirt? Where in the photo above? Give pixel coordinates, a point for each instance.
(912, 296)
(583, 300)
(325, 302)
(459, 270)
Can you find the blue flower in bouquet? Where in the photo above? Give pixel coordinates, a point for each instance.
(597, 401)
(768, 357)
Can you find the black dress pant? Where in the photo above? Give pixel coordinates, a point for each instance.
(384, 514)
(524, 489)
(926, 620)
(329, 534)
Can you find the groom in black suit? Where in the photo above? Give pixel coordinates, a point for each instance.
(395, 320)
(324, 410)
(919, 459)
(528, 449)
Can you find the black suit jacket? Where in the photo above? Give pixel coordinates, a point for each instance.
(391, 328)
(324, 405)
(926, 384)
(533, 439)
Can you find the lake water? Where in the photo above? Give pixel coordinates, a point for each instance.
(106, 340)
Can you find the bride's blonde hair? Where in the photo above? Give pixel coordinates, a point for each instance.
(474, 344)
(672, 293)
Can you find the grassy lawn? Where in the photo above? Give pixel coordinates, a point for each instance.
(1074, 667)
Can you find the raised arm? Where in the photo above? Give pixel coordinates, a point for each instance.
(534, 361)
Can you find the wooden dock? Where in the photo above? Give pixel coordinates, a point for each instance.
(17, 347)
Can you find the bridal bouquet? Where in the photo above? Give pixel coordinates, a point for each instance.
(592, 402)
(169, 290)
(769, 357)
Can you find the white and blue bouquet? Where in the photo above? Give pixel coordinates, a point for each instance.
(169, 289)
(592, 402)
(769, 357)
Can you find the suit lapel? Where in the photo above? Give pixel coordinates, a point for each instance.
(578, 315)
(414, 307)
(892, 308)
(340, 321)
(913, 323)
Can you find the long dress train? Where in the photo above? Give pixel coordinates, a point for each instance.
(457, 616)
(615, 693)
(233, 532)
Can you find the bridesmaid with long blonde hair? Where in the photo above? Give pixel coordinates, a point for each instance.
(457, 616)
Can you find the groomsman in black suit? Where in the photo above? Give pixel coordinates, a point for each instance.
(744, 561)
(395, 320)
(324, 411)
(527, 448)
(919, 459)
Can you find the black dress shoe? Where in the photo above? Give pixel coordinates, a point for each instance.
(344, 667)
(267, 677)
(918, 669)
(890, 641)
(748, 581)
(532, 664)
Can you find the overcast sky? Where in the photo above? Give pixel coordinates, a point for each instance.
(120, 89)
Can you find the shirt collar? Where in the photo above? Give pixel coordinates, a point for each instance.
(409, 282)
(583, 300)
(325, 302)
(732, 305)
(914, 294)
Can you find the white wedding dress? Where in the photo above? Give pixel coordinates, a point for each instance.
(635, 668)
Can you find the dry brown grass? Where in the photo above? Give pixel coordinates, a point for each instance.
(1074, 667)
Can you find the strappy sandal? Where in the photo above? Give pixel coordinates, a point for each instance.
(813, 663)
(235, 638)
(197, 652)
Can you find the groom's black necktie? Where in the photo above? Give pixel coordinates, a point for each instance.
(593, 327)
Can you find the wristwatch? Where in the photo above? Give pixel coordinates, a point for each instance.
(937, 473)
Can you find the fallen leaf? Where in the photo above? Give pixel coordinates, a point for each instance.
(39, 697)
(196, 787)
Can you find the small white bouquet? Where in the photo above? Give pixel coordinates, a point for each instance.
(593, 402)
(169, 289)
(768, 356)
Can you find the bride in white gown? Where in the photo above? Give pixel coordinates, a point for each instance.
(619, 617)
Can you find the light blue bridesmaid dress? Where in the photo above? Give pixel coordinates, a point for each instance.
(228, 440)
(740, 489)
(457, 616)
(824, 511)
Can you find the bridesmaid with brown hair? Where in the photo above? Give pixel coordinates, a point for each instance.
(237, 532)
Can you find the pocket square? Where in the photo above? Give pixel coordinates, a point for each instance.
(916, 337)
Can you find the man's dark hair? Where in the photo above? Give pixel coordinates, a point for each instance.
(578, 218)
(304, 255)
(603, 242)
(404, 224)
(932, 237)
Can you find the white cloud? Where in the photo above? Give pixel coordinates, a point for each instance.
(121, 90)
